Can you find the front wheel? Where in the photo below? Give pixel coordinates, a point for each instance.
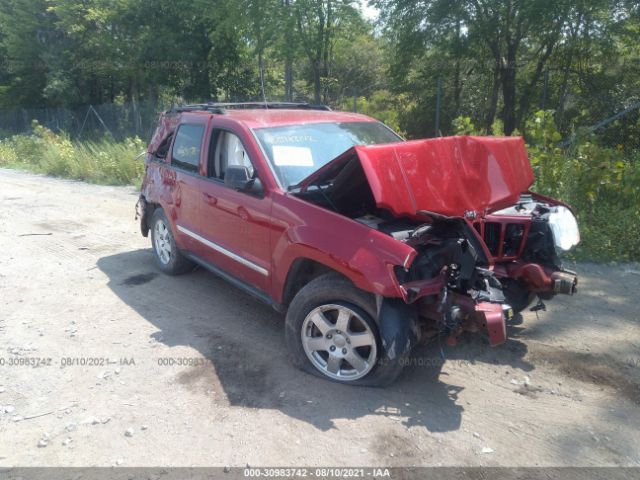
(331, 333)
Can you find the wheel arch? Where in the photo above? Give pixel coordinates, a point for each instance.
(145, 210)
(302, 271)
(367, 262)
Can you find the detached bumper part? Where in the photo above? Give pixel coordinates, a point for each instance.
(541, 280)
(493, 317)
(564, 282)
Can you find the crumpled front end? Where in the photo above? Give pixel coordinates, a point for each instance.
(485, 246)
(473, 274)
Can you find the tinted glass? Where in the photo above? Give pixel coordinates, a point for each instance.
(186, 147)
(296, 151)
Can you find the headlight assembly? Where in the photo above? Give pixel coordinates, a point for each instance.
(564, 228)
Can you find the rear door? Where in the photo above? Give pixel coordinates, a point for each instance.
(187, 182)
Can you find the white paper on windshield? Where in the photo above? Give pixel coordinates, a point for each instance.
(285, 156)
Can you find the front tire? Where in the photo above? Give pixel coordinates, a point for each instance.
(331, 332)
(168, 257)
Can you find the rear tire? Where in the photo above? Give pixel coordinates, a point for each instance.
(168, 257)
(331, 333)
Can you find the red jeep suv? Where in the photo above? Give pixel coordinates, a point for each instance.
(369, 243)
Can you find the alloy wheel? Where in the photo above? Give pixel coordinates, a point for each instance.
(162, 241)
(339, 342)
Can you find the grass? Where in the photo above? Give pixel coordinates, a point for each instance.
(603, 187)
(609, 233)
(104, 161)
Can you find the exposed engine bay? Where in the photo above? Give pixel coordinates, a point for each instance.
(472, 271)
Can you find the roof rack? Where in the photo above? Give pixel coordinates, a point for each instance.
(221, 107)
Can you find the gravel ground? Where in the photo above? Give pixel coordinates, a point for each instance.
(77, 284)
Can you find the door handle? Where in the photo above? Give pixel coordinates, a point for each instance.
(210, 199)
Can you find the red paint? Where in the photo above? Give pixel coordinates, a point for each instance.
(272, 231)
(449, 176)
(485, 315)
(492, 317)
(412, 291)
(504, 221)
(534, 275)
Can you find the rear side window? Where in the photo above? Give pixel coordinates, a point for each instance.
(187, 146)
(163, 148)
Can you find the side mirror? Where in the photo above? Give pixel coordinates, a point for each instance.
(237, 177)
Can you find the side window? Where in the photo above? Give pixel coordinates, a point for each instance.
(226, 149)
(187, 147)
(163, 148)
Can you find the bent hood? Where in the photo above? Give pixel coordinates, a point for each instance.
(449, 176)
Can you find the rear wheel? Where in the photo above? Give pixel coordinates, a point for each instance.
(331, 333)
(168, 258)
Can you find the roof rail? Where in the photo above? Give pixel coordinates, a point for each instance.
(220, 107)
(196, 107)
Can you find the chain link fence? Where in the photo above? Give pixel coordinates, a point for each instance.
(620, 131)
(120, 121)
(89, 122)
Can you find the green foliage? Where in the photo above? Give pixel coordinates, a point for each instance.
(601, 184)
(549, 163)
(497, 59)
(382, 105)
(609, 233)
(69, 53)
(104, 161)
(604, 187)
(463, 126)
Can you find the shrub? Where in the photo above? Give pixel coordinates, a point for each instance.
(601, 184)
(104, 161)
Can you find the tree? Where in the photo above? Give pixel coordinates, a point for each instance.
(516, 33)
(319, 23)
(27, 32)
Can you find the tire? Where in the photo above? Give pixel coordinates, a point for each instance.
(314, 325)
(168, 257)
(516, 295)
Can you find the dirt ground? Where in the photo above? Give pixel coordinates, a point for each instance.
(77, 284)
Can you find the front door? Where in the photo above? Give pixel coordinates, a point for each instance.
(235, 224)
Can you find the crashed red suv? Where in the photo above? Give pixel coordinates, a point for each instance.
(367, 242)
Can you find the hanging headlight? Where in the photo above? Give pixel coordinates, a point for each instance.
(564, 227)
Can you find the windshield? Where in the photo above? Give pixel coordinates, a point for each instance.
(296, 151)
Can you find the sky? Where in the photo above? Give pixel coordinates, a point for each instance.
(370, 13)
